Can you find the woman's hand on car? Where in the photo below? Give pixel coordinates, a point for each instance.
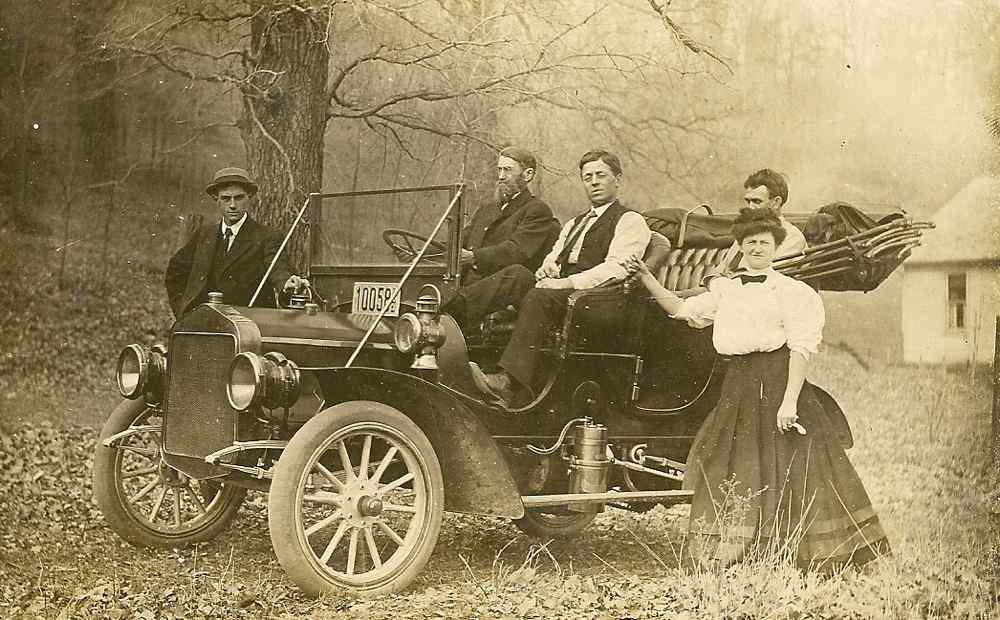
(634, 265)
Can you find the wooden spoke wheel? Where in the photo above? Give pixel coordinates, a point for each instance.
(144, 500)
(356, 501)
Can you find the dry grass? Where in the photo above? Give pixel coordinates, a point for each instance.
(921, 448)
(921, 441)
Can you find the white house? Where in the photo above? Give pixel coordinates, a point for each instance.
(951, 284)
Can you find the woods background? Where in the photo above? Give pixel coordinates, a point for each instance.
(114, 115)
(126, 108)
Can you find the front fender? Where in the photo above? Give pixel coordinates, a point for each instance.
(476, 474)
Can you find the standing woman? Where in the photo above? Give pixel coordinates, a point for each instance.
(767, 470)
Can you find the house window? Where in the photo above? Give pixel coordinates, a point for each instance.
(956, 301)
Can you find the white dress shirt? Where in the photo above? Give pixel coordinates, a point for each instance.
(630, 240)
(794, 241)
(235, 228)
(756, 317)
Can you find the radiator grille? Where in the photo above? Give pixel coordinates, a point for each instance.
(198, 419)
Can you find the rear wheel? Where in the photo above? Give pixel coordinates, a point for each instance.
(549, 523)
(356, 501)
(144, 500)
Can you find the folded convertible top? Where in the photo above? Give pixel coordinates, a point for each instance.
(848, 249)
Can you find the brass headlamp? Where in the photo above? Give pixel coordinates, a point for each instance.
(141, 371)
(420, 331)
(271, 381)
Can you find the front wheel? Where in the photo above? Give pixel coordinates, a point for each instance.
(144, 500)
(356, 501)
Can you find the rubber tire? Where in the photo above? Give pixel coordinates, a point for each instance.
(118, 516)
(282, 510)
(546, 527)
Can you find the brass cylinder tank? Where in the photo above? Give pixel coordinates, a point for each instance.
(589, 464)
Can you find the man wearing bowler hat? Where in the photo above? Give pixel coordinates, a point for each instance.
(229, 256)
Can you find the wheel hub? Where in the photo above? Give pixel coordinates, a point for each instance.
(369, 506)
(361, 504)
(170, 476)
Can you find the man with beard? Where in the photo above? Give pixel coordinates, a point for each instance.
(513, 232)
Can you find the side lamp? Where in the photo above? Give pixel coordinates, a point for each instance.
(420, 331)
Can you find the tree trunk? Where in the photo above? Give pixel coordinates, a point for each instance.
(96, 115)
(285, 120)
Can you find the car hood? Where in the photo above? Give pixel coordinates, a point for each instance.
(319, 339)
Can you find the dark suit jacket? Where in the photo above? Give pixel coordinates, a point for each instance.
(238, 275)
(521, 234)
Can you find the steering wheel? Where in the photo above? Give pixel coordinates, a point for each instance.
(402, 244)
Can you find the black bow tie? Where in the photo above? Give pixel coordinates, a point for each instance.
(744, 278)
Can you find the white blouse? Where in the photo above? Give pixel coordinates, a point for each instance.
(755, 316)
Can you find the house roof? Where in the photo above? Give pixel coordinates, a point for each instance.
(967, 226)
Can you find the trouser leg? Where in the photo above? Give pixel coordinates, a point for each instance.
(494, 292)
(540, 310)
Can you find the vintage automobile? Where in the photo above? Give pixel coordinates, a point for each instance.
(355, 410)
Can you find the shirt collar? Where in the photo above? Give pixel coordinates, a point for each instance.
(601, 209)
(512, 199)
(769, 271)
(235, 227)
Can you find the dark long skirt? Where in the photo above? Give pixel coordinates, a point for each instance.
(758, 490)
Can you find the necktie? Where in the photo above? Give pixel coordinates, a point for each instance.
(227, 237)
(574, 236)
(746, 278)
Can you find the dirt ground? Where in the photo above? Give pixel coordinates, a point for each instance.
(921, 439)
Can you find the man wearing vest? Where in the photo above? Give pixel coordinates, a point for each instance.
(229, 256)
(514, 231)
(591, 249)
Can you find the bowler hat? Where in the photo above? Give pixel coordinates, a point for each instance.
(231, 176)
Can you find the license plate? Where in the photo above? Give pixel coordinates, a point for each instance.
(371, 297)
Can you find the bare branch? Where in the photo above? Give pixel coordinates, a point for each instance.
(160, 58)
(683, 37)
(198, 132)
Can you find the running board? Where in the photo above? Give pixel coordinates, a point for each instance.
(569, 499)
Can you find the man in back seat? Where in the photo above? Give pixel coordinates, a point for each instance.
(516, 229)
(591, 249)
(766, 188)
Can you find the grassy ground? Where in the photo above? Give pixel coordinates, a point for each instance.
(921, 448)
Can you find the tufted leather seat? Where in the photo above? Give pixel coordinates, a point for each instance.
(679, 269)
(685, 267)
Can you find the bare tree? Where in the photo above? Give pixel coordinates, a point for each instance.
(408, 71)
